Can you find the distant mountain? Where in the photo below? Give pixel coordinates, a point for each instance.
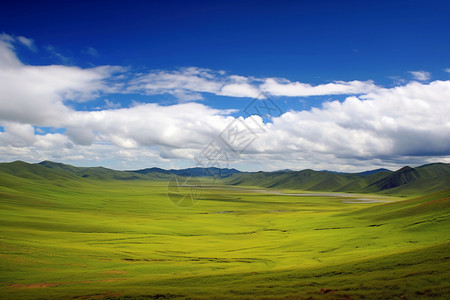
(283, 170)
(193, 172)
(99, 173)
(305, 180)
(365, 173)
(424, 179)
(405, 181)
(34, 171)
(151, 170)
(54, 170)
(334, 172)
(401, 177)
(370, 172)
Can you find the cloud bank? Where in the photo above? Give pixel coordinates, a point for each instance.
(188, 84)
(372, 127)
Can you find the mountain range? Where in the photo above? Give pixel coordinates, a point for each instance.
(420, 180)
(407, 180)
(192, 172)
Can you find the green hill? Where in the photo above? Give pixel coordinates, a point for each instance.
(57, 171)
(432, 208)
(93, 172)
(35, 171)
(406, 181)
(421, 180)
(69, 237)
(306, 180)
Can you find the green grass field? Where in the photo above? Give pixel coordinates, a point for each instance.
(90, 239)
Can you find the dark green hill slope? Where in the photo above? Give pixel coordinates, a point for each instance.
(191, 172)
(401, 177)
(421, 180)
(34, 171)
(93, 172)
(431, 208)
(406, 181)
(57, 171)
(307, 180)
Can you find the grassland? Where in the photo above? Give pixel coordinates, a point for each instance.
(67, 237)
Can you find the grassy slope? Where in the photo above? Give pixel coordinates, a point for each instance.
(421, 180)
(86, 237)
(406, 181)
(100, 172)
(306, 180)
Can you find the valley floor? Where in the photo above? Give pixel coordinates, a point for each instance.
(88, 239)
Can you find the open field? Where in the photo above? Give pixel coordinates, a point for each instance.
(90, 239)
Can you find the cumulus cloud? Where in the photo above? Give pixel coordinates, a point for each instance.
(283, 87)
(421, 75)
(36, 94)
(364, 128)
(188, 83)
(17, 135)
(372, 127)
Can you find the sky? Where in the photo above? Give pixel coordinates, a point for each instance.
(254, 85)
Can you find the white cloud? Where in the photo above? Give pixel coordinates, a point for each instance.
(404, 121)
(240, 90)
(447, 70)
(421, 75)
(8, 58)
(17, 135)
(27, 42)
(111, 104)
(375, 127)
(36, 94)
(188, 124)
(283, 87)
(187, 84)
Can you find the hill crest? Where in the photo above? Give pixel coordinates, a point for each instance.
(407, 180)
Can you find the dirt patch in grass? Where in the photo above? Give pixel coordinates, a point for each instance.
(35, 285)
(113, 279)
(114, 272)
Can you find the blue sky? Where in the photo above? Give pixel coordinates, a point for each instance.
(312, 41)
(73, 68)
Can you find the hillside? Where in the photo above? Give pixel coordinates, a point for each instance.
(433, 208)
(53, 170)
(406, 181)
(71, 237)
(92, 172)
(57, 171)
(420, 180)
(36, 171)
(192, 172)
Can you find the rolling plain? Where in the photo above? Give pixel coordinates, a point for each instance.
(68, 236)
